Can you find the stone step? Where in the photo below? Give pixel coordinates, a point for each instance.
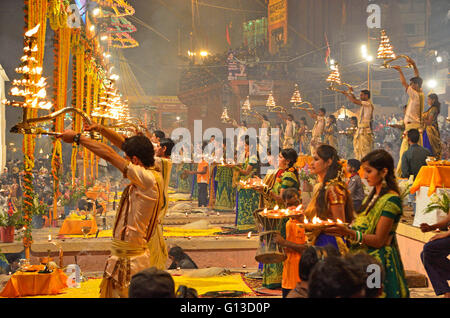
(175, 219)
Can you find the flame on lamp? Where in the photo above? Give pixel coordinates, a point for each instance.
(276, 208)
(33, 31)
(42, 93)
(339, 221)
(316, 220)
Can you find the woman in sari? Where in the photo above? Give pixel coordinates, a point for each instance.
(247, 199)
(286, 176)
(373, 230)
(331, 132)
(431, 136)
(331, 198)
(184, 180)
(226, 192)
(304, 144)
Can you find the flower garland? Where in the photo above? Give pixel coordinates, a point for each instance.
(78, 96)
(120, 30)
(35, 13)
(62, 55)
(88, 102)
(116, 5)
(57, 14)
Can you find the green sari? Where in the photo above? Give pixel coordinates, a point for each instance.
(273, 273)
(184, 184)
(226, 193)
(247, 200)
(389, 205)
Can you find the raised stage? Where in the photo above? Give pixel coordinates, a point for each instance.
(235, 251)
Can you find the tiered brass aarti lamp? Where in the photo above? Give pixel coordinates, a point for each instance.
(297, 100)
(386, 52)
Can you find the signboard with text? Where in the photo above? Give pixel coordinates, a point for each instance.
(278, 23)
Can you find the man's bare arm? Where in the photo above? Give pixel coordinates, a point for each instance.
(115, 138)
(311, 114)
(402, 76)
(416, 70)
(104, 151)
(351, 97)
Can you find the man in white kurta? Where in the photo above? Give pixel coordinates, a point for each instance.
(139, 206)
(414, 109)
(318, 129)
(289, 133)
(363, 138)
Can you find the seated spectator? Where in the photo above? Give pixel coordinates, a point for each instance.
(334, 277)
(151, 283)
(435, 257)
(180, 259)
(310, 257)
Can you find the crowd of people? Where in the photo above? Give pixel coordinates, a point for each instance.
(407, 143)
(329, 262)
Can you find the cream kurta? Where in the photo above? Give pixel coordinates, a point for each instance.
(317, 133)
(414, 108)
(363, 139)
(412, 120)
(134, 225)
(157, 244)
(289, 134)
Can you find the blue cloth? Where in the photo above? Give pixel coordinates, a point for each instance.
(215, 182)
(426, 141)
(325, 239)
(434, 259)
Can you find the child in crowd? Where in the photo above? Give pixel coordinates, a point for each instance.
(202, 180)
(310, 257)
(355, 185)
(295, 243)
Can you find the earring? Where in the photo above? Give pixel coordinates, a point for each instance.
(384, 183)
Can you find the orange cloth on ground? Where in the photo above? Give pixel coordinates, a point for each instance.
(296, 235)
(32, 283)
(203, 178)
(73, 227)
(433, 177)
